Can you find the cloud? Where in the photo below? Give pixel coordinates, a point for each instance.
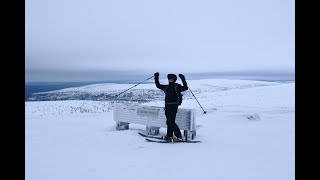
(168, 36)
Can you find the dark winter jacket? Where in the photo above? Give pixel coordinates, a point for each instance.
(171, 95)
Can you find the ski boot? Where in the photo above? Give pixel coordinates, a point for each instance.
(176, 139)
(167, 138)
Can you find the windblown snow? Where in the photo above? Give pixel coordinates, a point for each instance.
(248, 133)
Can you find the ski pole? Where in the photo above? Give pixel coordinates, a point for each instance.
(204, 112)
(134, 86)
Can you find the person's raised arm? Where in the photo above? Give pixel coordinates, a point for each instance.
(156, 80)
(184, 82)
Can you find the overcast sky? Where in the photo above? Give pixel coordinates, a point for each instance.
(87, 39)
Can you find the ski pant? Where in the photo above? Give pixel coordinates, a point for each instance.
(172, 127)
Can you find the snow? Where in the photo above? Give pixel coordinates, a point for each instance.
(144, 92)
(247, 134)
(203, 83)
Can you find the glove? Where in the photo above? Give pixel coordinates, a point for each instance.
(156, 74)
(182, 76)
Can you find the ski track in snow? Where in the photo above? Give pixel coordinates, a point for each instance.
(247, 134)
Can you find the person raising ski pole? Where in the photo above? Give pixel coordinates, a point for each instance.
(173, 98)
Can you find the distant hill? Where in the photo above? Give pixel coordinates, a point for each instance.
(141, 93)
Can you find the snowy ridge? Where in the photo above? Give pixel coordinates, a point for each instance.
(143, 92)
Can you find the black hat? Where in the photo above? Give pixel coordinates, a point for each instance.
(172, 76)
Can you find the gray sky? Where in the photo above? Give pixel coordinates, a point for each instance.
(78, 39)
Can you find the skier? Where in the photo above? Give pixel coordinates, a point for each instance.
(173, 99)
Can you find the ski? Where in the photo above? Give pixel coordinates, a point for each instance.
(150, 136)
(159, 139)
(165, 141)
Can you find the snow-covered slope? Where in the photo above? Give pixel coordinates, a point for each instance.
(142, 92)
(248, 134)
